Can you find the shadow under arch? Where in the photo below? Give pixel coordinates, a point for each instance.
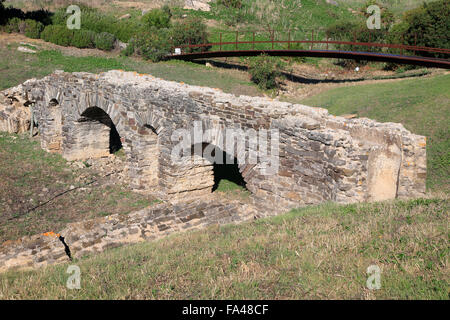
(96, 114)
(225, 166)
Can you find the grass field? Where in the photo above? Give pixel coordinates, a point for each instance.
(319, 252)
(22, 66)
(421, 105)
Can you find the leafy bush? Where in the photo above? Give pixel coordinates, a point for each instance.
(237, 4)
(349, 32)
(130, 49)
(428, 25)
(153, 44)
(57, 34)
(157, 18)
(61, 35)
(99, 22)
(104, 41)
(265, 70)
(83, 38)
(12, 25)
(192, 30)
(33, 28)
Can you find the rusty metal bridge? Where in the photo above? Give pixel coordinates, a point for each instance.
(251, 43)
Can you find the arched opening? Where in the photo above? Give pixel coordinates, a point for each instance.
(93, 135)
(217, 171)
(95, 115)
(227, 174)
(53, 103)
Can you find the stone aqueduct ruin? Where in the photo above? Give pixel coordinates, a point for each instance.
(321, 157)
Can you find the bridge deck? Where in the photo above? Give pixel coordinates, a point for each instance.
(355, 55)
(329, 48)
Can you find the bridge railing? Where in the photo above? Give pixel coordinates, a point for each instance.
(242, 40)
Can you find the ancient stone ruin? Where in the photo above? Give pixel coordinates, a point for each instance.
(320, 157)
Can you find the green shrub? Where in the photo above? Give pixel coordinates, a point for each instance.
(237, 4)
(358, 32)
(93, 19)
(13, 25)
(57, 34)
(192, 30)
(83, 38)
(130, 49)
(104, 41)
(157, 18)
(428, 26)
(265, 70)
(154, 44)
(33, 28)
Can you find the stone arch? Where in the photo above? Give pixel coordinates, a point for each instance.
(199, 172)
(92, 135)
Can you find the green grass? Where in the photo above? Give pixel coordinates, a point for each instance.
(300, 15)
(34, 191)
(226, 185)
(23, 66)
(319, 252)
(421, 105)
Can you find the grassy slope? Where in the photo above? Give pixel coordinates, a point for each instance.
(319, 252)
(30, 177)
(421, 105)
(22, 66)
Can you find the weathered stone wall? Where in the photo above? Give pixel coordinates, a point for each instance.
(322, 157)
(96, 235)
(15, 114)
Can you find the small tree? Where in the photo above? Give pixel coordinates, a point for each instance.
(158, 18)
(33, 28)
(265, 70)
(104, 41)
(153, 44)
(190, 31)
(428, 26)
